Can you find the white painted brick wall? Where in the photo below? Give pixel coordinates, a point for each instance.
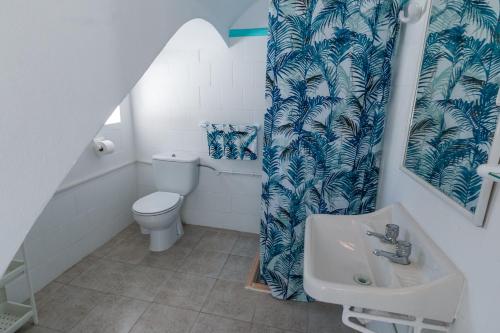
(205, 80)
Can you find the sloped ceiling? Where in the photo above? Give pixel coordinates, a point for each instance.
(64, 66)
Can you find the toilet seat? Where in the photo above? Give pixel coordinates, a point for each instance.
(157, 203)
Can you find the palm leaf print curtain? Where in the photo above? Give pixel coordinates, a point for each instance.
(328, 80)
(455, 114)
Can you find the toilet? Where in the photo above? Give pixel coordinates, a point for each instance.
(158, 214)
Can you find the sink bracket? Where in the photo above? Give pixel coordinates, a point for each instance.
(417, 325)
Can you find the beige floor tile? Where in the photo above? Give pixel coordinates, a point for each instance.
(67, 306)
(165, 319)
(247, 245)
(30, 328)
(287, 315)
(77, 269)
(185, 291)
(213, 324)
(231, 299)
(171, 259)
(131, 250)
(202, 262)
(115, 314)
(122, 279)
(218, 240)
(192, 235)
(326, 318)
(131, 276)
(126, 233)
(105, 249)
(47, 292)
(131, 230)
(236, 268)
(256, 328)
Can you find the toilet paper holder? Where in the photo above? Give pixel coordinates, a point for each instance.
(103, 146)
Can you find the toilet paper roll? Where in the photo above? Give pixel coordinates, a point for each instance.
(104, 147)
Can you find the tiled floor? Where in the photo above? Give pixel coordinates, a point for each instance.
(196, 286)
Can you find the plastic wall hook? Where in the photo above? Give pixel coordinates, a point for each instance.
(491, 172)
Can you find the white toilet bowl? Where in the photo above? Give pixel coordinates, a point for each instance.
(159, 215)
(175, 175)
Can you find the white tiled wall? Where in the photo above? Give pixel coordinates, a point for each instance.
(197, 77)
(76, 222)
(80, 219)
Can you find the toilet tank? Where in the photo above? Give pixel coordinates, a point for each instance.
(176, 172)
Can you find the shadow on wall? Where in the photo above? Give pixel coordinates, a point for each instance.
(197, 77)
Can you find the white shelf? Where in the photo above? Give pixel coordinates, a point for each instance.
(15, 269)
(13, 316)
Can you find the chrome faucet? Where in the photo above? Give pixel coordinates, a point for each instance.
(402, 255)
(391, 234)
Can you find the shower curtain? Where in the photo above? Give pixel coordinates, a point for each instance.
(328, 81)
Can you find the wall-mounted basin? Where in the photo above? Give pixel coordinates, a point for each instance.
(340, 267)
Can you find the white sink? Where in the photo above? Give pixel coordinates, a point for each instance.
(337, 249)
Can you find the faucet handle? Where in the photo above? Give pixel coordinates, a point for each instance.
(391, 232)
(403, 249)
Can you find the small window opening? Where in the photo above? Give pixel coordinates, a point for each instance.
(115, 117)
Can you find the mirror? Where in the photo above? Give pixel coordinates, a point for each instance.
(454, 125)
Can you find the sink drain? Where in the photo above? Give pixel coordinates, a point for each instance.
(362, 280)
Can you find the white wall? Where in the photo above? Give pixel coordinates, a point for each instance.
(79, 219)
(65, 65)
(474, 250)
(197, 77)
(122, 135)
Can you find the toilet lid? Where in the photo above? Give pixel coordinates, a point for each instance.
(156, 203)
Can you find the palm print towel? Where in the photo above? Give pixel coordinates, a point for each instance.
(328, 82)
(232, 142)
(215, 138)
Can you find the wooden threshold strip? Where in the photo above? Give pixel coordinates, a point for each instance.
(253, 279)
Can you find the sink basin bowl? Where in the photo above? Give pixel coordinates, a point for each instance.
(340, 268)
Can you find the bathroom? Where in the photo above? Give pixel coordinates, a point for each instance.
(115, 104)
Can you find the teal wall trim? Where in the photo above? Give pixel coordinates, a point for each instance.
(254, 32)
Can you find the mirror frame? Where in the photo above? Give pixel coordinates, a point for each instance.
(479, 217)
